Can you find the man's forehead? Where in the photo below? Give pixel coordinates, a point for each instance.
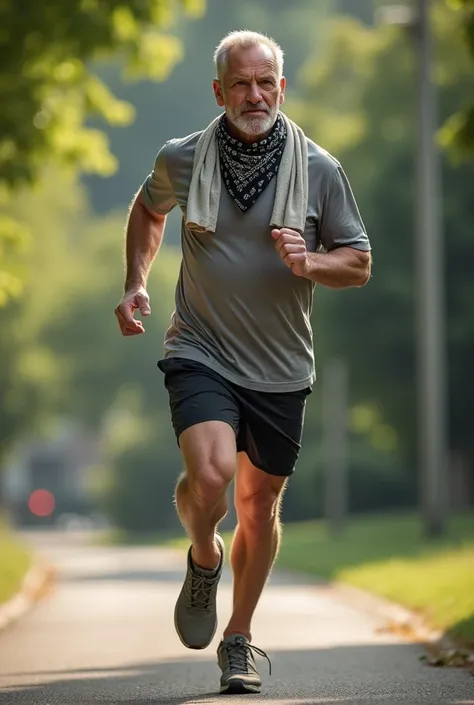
(256, 58)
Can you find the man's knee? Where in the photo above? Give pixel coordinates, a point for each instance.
(258, 508)
(210, 480)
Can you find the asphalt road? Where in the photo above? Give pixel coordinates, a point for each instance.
(105, 635)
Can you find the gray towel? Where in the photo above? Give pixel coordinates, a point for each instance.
(291, 195)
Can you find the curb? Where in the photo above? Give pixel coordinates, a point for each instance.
(442, 649)
(35, 585)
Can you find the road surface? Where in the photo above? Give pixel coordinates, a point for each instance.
(105, 635)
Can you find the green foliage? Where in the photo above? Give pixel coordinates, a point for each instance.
(31, 376)
(62, 354)
(16, 560)
(376, 478)
(458, 131)
(457, 134)
(13, 240)
(370, 83)
(49, 91)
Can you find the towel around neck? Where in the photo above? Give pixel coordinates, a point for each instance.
(291, 193)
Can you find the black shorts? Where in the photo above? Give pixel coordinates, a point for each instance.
(268, 425)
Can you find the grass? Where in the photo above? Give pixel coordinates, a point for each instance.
(14, 562)
(388, 556)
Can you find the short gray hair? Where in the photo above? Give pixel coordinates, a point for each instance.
(244, 39)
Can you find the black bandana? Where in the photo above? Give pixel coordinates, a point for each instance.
(248, 168)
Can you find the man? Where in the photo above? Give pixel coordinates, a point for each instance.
(267, 214)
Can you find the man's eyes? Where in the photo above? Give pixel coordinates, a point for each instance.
(264, 82)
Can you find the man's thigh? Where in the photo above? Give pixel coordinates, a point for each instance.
(209, 448)
(271, 429)
(205, 416)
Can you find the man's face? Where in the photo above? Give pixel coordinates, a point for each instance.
(251, 91)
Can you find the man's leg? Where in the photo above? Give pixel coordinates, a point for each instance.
(254, 548)
(210, 458)
(256, 540)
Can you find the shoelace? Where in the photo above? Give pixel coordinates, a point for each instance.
(199, 591)
(237, 653)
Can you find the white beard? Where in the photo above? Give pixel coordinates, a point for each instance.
(253, 125)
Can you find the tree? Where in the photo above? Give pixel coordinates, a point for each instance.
(49, 91)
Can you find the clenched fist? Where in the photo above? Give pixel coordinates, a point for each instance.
(131, 301)
(291, 247)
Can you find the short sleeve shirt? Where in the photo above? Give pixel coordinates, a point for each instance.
(239, 309)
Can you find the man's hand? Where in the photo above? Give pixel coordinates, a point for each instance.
(291, 247)
(132, 300)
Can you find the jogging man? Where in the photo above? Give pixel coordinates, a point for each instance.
(267, 214)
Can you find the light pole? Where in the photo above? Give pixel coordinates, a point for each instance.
(429, 289)
(335, 406)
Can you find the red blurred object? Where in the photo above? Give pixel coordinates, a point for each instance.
(41, 503)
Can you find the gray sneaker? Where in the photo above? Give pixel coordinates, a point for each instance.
(236, 661)
(195, 615)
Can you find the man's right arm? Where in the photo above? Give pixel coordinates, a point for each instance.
(144, 234)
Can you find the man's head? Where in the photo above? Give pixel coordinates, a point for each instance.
(249, 85)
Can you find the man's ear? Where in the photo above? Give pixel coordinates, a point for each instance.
(282, 89)
(216, 85)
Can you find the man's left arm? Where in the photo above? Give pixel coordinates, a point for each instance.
(347, 260)
(339, 269)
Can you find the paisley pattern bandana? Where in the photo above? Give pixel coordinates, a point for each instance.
(247, 169)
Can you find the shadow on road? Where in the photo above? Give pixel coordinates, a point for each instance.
(362, 675)
(174, 574)
(152, 575)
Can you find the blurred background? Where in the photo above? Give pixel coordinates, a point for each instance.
(90, 91)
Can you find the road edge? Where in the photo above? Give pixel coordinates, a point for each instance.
(394, 618)
(36, 584)
(442, 648)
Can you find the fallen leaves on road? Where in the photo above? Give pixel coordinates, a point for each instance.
(406, 629)
(456, 658)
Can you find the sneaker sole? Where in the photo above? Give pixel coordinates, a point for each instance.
(239, 687)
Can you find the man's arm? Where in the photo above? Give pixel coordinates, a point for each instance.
(144, 234)
(347, 260)
(341, 268)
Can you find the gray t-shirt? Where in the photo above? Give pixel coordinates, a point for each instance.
(239, 309)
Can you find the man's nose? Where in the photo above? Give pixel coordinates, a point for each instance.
(254, 96)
